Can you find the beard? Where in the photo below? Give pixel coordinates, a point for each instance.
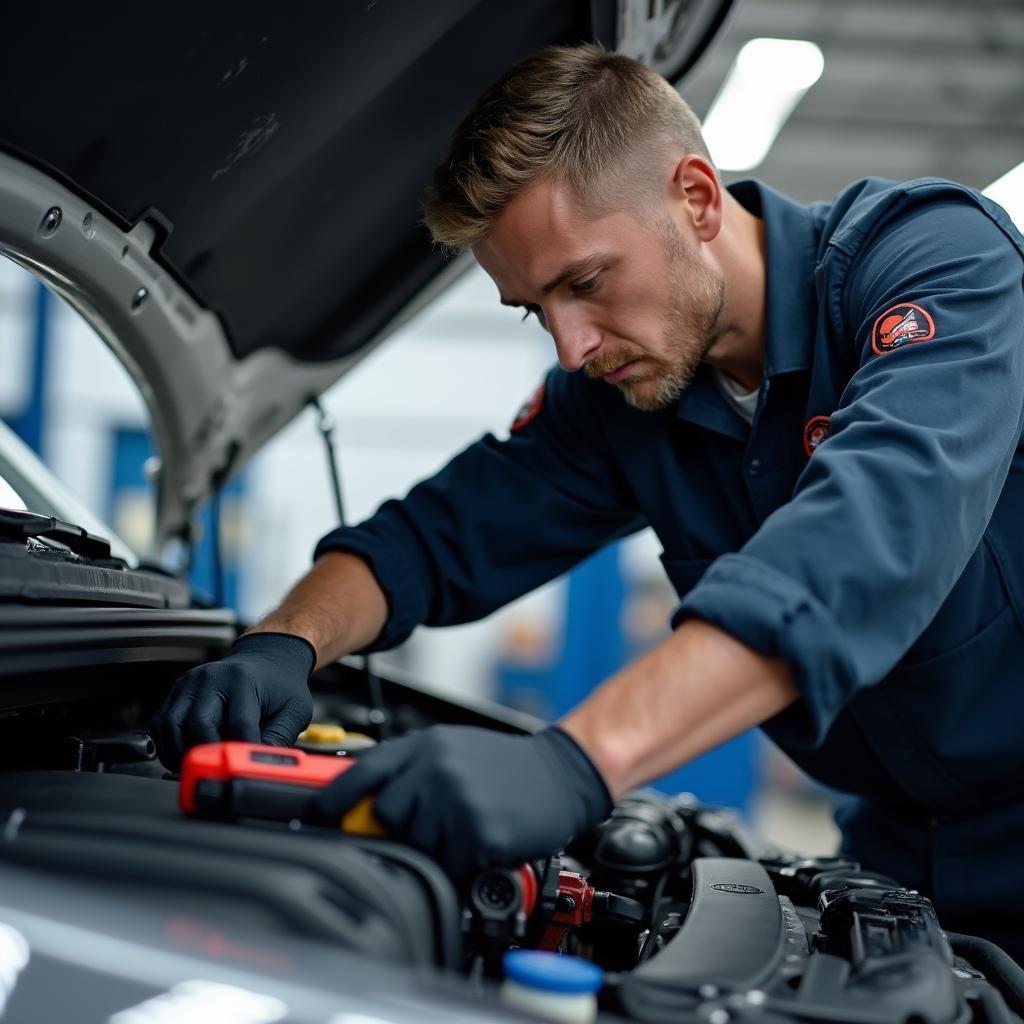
(690, 328)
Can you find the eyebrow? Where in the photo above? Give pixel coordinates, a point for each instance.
(569, 270)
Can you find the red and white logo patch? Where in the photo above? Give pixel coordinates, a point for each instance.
(528, 410)
(815, 431)
(902, 324)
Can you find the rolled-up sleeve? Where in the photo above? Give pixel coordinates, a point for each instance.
(499, 519)
(842, 579)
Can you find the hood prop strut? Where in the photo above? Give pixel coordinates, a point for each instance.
(325, 426)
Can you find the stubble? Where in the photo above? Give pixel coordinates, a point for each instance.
(691, 327)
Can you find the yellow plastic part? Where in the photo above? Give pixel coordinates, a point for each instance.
(361, 820)
(323, 732)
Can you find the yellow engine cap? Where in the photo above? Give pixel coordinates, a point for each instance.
(322, 732)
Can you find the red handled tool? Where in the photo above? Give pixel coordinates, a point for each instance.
(249, 780)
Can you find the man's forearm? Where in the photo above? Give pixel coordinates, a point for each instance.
(337, 606)
(697, 689)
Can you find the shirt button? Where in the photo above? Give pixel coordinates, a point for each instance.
(754, 467)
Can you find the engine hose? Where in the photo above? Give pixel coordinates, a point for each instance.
(996, 964)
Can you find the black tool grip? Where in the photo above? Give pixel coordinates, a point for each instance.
(255, 798)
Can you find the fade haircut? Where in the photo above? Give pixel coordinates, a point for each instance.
(599, 122)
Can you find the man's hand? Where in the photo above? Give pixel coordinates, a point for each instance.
(257, 693)
(472, 798)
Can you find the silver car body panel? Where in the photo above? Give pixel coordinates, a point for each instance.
(210, 412)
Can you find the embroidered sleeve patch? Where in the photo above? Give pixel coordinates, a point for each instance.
(528, 410)
(902, 324)
(815, 431)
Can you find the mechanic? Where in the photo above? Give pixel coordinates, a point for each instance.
(818, 409)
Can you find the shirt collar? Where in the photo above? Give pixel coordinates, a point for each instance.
(791, 245)
(701, 403)
(791, 236)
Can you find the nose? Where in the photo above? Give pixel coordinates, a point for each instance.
(575, 337)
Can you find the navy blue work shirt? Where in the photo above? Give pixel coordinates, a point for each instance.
(868, 527)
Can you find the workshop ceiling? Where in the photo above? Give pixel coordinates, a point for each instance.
(910, 88)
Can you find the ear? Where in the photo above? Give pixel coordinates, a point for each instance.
(697, 190)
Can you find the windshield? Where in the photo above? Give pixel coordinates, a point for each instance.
(9, 497)
(27, 485)
(43, 345)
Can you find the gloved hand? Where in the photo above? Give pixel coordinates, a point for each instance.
(472, 798)
(257, 693)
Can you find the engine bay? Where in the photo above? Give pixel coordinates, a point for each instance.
(688, 914)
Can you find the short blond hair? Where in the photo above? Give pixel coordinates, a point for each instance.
(599, 122)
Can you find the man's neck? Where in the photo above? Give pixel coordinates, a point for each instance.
(739, 350)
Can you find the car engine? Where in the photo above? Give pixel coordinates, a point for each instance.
(689, 915)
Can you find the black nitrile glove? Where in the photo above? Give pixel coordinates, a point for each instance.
(472, 798)
(257, 693)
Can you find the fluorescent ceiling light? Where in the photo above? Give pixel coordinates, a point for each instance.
(1008, 192)
(762, 89)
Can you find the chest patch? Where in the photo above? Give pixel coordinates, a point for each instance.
(528, 410)
(902, 324)
(815, 431)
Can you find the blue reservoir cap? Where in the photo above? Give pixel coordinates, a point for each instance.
(552, 972)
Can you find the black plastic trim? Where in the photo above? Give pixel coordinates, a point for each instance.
(42, 639)
(41, 575)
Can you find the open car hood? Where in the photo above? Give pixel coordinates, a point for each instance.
(230, 195)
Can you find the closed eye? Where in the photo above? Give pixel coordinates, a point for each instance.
(537, 311)
(585, 287)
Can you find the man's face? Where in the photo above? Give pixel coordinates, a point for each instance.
(624, 300)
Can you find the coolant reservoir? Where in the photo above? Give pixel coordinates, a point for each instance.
(561, 988)
(327, 738)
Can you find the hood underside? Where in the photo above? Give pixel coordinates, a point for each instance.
(231, 194)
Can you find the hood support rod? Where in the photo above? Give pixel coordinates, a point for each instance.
(325, 425)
